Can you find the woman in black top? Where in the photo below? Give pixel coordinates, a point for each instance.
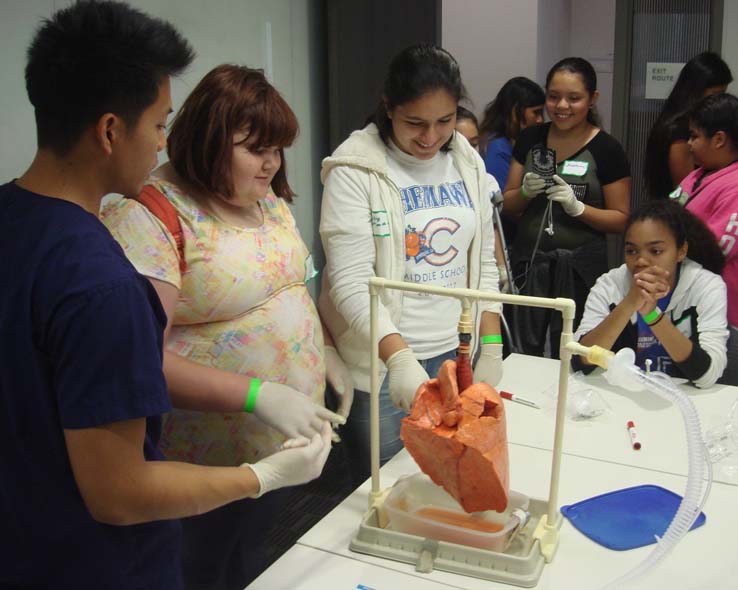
(668, 159)
(564, 213)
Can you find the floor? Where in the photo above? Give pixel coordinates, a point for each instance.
(310, 503)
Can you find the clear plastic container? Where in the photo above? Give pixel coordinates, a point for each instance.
(417, 506)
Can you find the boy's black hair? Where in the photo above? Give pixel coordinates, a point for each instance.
(98, 57)
(717, 112)
(685, 227)
(415, 71)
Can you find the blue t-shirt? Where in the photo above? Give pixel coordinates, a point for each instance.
(497, 159)
(81, 346)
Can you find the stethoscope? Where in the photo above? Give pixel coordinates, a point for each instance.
(547, 226)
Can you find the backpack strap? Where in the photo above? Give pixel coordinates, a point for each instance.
(164, 211)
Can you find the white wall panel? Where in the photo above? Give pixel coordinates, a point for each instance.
(493, 40)
(220, 31)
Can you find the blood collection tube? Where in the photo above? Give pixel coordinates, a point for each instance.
(633, 435)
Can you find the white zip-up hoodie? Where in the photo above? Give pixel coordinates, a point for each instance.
(699, 295)
(362, 227)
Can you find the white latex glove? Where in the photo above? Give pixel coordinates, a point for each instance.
(502, 271)
(562, 193)
(405, 376)
(489, 365)
(533, 184)
(294, 466)
(340, 380)
(291, 412)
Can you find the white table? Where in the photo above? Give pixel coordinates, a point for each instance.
(306, 568)
(702, 560)
(658, 422)
(597, 459)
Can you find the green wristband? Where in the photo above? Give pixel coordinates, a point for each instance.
(492, 339)
(653, 316)
(523, 192)
(251, 396)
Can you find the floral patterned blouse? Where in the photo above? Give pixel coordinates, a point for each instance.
(243, 307)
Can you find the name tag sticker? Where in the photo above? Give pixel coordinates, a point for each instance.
(679, 195)
(380, 224)
(310, 272)
(574, 167)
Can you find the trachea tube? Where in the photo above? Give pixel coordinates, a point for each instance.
(464, 375)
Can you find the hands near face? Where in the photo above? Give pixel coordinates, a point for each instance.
(649, 285)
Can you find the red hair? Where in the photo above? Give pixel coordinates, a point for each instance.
(228, 100)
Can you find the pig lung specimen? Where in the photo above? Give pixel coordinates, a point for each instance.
(460, 440)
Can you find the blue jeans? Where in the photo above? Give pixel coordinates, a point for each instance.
(356, 433)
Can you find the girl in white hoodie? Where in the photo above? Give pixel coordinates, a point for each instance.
(407, 199)
(670, 308)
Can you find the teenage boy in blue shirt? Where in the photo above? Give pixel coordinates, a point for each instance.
(85, 499)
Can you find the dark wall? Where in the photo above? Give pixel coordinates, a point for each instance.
(363, 36)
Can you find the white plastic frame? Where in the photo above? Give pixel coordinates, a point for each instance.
(547, 531)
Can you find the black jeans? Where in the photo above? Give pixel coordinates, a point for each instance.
(225, 549)
(556, 273)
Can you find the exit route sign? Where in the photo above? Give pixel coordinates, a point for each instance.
(660, 78)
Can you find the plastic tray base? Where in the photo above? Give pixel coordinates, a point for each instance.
(520, 565)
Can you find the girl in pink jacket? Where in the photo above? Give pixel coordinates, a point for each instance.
(711, 193)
